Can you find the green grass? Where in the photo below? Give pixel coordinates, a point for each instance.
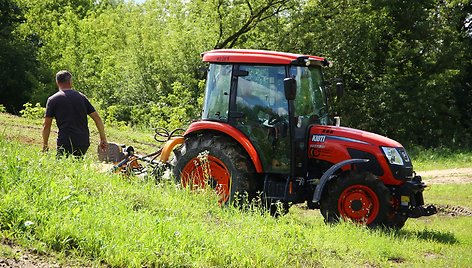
(29, 131)
(69, 208)
(7, 252)
(449, 194)
(440, 158)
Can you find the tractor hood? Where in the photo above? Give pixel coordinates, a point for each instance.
(336, 144)
(351, 135)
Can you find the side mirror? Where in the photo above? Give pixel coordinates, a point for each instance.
(339, 90)
(202, 72)
(290, 86)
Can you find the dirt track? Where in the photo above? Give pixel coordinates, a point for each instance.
(447, 176)
(30, 259)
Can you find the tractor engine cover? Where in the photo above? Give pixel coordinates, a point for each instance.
(335, 144)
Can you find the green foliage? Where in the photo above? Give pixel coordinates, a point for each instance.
(17, 58)
(401, 64)
(116, 115)
(32, 112)
(2, 108)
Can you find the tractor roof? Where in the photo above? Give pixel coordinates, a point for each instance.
(259, 56)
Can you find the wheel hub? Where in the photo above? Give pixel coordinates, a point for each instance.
(358, 203)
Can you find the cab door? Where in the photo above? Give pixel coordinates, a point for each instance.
(261, 112)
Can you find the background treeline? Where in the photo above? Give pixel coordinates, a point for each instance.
(407, 65)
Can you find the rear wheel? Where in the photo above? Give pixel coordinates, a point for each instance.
(359, 197)
(218, 162)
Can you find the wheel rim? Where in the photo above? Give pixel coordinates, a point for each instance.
(359, 203)
(209, 170)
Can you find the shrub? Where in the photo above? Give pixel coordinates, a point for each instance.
(117, 115)
(30, 112)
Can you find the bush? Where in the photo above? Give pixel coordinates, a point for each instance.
(30, 112)
(175, 110)
(117, 115)
(2, 108)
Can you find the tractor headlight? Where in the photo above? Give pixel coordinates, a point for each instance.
(393, 156)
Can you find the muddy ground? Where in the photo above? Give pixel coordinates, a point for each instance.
(17, 257)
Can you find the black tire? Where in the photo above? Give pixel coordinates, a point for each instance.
(396, 221)
(224, 155)
(359, 197)
(278, 209)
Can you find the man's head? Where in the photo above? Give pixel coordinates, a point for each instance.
(64, 80)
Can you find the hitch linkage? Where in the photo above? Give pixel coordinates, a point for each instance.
(421, 211)
(412, 192)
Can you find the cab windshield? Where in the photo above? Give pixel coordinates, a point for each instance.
(310, 102)
(217, 90)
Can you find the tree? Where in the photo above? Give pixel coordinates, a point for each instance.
(404, 64)
(239, 17)
(17, 58)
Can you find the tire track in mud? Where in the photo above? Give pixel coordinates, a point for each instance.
(449, 210)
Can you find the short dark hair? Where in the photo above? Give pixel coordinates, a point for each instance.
(63, 76)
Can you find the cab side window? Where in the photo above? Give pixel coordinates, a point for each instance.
(261, 91)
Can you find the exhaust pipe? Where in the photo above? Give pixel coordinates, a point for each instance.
(337, 120)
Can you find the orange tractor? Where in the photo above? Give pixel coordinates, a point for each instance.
(266, 130)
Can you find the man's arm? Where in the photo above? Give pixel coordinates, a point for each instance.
(101, 129)
(46, 131)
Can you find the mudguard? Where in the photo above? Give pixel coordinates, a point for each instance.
(232, 132)
(329, 173)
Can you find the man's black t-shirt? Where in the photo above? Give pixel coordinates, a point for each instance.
(70, 109)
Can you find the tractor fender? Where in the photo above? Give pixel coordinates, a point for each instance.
(236, 134)
(329, 174)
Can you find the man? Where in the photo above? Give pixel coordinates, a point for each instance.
(70, 109)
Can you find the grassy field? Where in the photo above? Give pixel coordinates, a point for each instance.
(440, 158)
(75, 211)
(28, 131)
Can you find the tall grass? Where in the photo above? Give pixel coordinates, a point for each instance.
(68, 206)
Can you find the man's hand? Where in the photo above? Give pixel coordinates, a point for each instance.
(103, 145)
(101, 130)
(46, 131)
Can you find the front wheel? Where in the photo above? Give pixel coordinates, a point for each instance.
(359, 197)
(218, 162)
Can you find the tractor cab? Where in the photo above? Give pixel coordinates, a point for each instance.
(246, 90)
